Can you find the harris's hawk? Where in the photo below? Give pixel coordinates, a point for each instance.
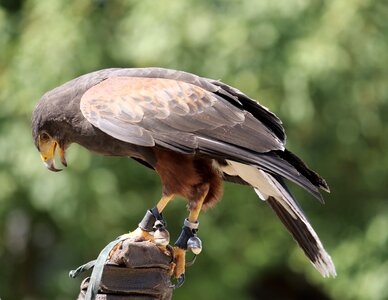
(194, 132)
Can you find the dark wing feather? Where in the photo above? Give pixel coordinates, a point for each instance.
(269, 162)
(295, 161)
(189, 114)
(228, 93)
(268, 118)
(157, 110)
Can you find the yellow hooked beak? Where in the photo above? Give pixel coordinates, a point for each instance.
(47, 147)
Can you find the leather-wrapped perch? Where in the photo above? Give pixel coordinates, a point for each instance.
(136, 270)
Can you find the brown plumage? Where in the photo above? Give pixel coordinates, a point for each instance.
(194, 132)
(196, 172)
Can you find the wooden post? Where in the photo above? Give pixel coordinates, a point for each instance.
(136, 270)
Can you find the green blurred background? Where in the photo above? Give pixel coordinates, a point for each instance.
(321, 66)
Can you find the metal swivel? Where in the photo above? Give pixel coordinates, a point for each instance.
(161, 235)
(159, 224)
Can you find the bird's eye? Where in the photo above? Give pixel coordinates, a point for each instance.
(44, 137)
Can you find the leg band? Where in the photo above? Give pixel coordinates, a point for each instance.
(191, 225)
(147, 224)
(156, 214)
(149, 219)
(185, 235)
(189, 230)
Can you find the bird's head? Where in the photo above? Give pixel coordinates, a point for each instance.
(57, 120)
(50, 129)
(48, 145)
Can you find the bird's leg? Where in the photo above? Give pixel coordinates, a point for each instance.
(152, 227)
(188, 238)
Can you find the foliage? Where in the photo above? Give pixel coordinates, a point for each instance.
(320, 65)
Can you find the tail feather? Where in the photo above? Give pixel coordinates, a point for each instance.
(274, 191)
(292, 216)
(306, 238)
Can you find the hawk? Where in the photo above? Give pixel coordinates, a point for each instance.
(195, 133)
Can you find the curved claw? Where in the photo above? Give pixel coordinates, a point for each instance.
(179, 282)
(191, 262)
(171, 251)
